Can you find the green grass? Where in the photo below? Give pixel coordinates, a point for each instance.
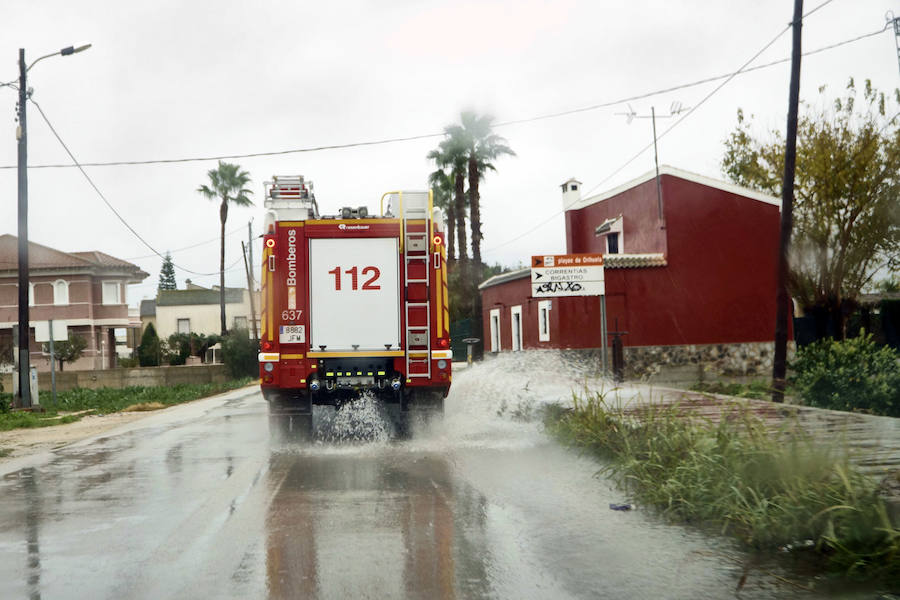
(758, 390)
(771, 489)
(107, 400)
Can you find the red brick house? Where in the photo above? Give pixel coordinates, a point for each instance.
(87, 290)
(689, 275)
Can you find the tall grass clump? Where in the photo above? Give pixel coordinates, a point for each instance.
(773, 489)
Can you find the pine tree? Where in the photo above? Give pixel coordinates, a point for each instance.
(167, 274)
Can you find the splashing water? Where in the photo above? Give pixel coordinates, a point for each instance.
(497, 403)
(362, 419)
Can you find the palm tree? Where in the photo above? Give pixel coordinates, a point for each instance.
(442, 186)
(452, 153)
(482, 146)
(226, 183)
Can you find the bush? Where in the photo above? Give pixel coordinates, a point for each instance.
(239, 353)
(179, 348)
(149, 351)
(852, 375)
(128, 363)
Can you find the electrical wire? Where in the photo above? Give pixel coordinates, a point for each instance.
(102, 197)
(507, 123)
(684, 86)
(687, 114)
(740, 71)
(209, 241)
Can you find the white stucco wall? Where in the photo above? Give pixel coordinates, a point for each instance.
(204, 317)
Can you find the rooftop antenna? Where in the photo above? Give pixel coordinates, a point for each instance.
(675, 109)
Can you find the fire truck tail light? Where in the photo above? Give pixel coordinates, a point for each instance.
(269, 367)
(444, 343)
(270, 242)
(267, 378)
(267, 346)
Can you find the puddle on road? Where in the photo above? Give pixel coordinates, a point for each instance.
(491, 443)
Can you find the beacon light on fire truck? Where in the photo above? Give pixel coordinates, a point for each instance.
(353, 302)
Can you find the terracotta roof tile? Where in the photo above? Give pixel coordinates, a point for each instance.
(631, 261)
(43, 257)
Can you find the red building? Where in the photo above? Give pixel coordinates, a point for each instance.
(689, 267)
(86, 290)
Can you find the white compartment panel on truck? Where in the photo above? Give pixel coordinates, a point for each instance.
(354, 289)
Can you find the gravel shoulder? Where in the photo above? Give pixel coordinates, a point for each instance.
(28, 442)
(17, 443)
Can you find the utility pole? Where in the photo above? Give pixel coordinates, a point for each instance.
(252, 292)
(23, 400)
(250, 251)
(896, 22)
(782, 300)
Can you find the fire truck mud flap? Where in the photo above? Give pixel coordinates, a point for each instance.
(431, 401)
(291, 416)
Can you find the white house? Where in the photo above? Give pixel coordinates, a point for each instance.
(196, 310)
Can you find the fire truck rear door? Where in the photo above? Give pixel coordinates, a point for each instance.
(354, 292)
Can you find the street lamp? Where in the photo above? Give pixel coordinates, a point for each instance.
(23, 400)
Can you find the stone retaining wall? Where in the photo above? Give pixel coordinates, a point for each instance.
(686, 364)
(700, 362)
(120, 378)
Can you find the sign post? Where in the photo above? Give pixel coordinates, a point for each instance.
(50, 331)
(561, 275)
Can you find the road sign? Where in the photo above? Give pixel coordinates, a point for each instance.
(556, 275)
(42, 331)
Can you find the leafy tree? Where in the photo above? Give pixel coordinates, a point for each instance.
(482, 146)
(227, 184)
(442, 188)
(846, 214)
(150, 351)
(68, 350)
(167, 275)
(451, 154)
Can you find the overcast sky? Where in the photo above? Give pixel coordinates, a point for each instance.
(172, 79)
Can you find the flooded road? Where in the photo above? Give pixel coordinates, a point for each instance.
(200, 501)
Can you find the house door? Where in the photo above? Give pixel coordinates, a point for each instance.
(495, 330)
(515, 314)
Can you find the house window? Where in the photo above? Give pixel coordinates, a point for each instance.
(240, 322)
(60, 292)
(544, 320)
(184, 325)
(612, 243)
(515, 319)
(495, 330)
(111, 292)
(573, 187)
(30, 294)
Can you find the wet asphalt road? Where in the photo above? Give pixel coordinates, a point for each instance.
(201, 501)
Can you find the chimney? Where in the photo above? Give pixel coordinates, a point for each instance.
(571, 194)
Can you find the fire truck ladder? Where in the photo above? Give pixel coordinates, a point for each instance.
(415, 207)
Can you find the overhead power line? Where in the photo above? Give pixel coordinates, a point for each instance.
(553, 115)
(687, 114)
(102, 197)
(198, 244)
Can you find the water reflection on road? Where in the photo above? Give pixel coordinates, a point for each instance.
(201, 501)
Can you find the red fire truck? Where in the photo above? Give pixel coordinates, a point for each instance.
(352, 303)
